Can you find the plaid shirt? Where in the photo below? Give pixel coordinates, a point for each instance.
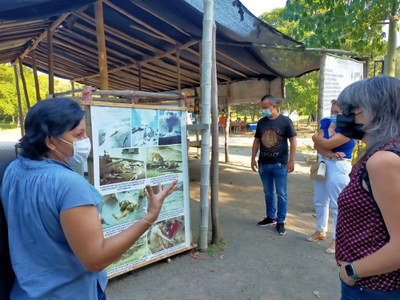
(361, 230)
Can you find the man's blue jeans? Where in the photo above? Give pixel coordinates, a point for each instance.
(359, 293)
(274, 174)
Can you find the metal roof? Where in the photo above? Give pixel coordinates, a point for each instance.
(152, 37)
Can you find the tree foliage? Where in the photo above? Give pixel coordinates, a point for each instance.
(302, 93)
(8, 93)
(342, 24)
(355, 26)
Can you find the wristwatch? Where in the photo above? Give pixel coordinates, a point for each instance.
(351, 272)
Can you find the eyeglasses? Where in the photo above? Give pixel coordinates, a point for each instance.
(356, 114)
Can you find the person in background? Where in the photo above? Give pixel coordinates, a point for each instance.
(222, 123)
(368, 225)
(335, 150)
(275, 160)
(57, 246)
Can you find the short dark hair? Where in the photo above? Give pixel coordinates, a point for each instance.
(274, 101)
(269, 97)
(48, 118)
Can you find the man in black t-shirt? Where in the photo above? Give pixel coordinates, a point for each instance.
(274, 161)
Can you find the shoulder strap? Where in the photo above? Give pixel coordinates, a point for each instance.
(365, 177)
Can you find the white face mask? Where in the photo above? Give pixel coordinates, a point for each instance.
(81, 152)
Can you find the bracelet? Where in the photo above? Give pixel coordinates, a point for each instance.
(144, 219)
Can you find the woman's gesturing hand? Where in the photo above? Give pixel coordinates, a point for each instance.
(156, 200)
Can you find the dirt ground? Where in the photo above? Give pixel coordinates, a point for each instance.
(252, 262)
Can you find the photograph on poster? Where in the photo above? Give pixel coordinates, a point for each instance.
(173, 202)
(166, 234)
(120, 165)
(114, 128)
(123, 207)
(164, 160)
(144, 127)
(169, 127)
(134, 253)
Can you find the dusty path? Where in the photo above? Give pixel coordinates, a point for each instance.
(255, 263)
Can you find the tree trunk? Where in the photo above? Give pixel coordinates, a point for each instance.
(390, 62)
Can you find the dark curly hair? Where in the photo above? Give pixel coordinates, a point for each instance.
(48, 118)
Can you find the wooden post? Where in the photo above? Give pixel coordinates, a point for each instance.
(90, 166)
(35, 76)
(21, 70)
(20, 114)
(178, 71)
(101, 45)
(73, 87)
(140, 76)
(50, 62)
(228, 121)
(216, 237)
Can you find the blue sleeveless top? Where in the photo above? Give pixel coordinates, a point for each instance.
(346, 148)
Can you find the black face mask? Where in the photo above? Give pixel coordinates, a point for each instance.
(349, 128)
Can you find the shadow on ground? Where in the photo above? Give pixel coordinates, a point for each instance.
(253, 262)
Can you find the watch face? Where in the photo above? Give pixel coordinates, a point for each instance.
(349, 270)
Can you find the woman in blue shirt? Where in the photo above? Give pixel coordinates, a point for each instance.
(57, 246)
(335, 150)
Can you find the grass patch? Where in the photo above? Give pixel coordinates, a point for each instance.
(8, 126)
(216, 248)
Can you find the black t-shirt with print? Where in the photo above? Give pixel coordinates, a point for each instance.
(273, 136)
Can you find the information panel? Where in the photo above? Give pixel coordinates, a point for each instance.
(132, 148)
(338, 72)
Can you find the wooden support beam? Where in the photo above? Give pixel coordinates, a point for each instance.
(35, 75)
(20, 114)
(109, 39)
(50, 64)
(178, 68)
(140, 76)
(138, 94)
(118, 33)
(156, 33)
(219, 64)
(162, 19)
(237, 62)
(153, 58)
(101, 44)
(66, 67)
(72, 36)
(21, 70)
(171, 73)
(43, 35)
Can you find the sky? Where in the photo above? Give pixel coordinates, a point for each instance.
(258, 7)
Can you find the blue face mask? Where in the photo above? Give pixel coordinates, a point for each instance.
(333, 118)
(266, 112)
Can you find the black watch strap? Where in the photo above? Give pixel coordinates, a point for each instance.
(351, 271)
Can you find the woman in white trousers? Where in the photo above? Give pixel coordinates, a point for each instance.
(335, 150)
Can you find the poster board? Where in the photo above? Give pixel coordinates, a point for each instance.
(336, 73)
(134, 147)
